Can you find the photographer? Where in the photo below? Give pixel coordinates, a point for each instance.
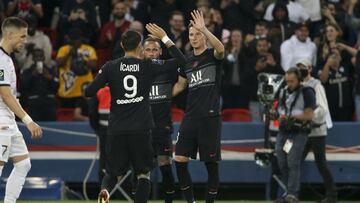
(317, 137)
(296, 111)
(35, 39)
(262, 62)
(76, 62)
(39, 84)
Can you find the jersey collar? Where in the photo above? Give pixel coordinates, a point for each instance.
(4, 51)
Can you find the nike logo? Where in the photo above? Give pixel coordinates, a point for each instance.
(213, 155)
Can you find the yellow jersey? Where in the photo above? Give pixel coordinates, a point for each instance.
(71, 85)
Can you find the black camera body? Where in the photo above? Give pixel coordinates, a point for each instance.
(78, 64)
(289, 125)
(263, 156)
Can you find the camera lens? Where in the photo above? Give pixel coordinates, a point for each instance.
(262, 78)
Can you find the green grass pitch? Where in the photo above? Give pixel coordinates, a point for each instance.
(159, 201)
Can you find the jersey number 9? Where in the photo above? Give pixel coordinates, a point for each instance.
(133, 86)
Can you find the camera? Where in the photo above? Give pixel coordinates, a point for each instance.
(78, 65)
(263, 157)
(293, 125)
(268, 86)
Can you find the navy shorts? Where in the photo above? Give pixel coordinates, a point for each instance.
(129, 149)
(201, 135)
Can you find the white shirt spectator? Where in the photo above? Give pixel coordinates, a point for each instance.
(313, 8)
(321, 113)
(292, 50)
(297, 13)
(7, 78)
(41, 41)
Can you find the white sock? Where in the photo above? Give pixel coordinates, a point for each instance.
(16, 180)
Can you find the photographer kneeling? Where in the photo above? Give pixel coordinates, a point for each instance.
(296, 111)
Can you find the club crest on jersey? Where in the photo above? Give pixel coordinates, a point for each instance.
(195, 63)
(2, 75)
(157, 61)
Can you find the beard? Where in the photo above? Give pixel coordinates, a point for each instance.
(119, 16)
(18, 49)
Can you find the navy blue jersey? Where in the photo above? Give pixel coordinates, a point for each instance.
(203, 73)
(160, 99)
(130, 80)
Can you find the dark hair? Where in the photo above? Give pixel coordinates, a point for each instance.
(296, 72)
(300, 25)
(13, 22)
(279, 6)
(174, 13)
(150, 39)
(262, 23)
(336, 27)
(228, 45)
(263, 39)
(130, 40)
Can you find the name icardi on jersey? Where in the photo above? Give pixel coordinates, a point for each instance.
(129, 68)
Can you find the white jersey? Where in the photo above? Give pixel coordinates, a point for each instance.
(7, 78)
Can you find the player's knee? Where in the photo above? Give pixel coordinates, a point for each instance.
(181, 159)
(23, 166)
(144, 176)
(164, 160)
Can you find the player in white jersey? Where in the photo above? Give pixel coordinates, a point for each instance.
(12, 144)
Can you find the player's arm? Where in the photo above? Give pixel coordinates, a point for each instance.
(178, 57)
(199, 23)
(12, 103)
(99, 82)
(179, 86)
(93, 113)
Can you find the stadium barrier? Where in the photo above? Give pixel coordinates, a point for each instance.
(68, 148)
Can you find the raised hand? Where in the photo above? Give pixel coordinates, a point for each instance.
(198, 20)
(155, 31)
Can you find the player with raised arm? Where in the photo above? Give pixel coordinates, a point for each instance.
(130, 79)
(200, 129)
(160, 100)
(12, 144)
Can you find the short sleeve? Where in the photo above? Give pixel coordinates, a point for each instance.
(5, 76)
(63, 51)
(181, 72)
(92, 55)
(309, 98)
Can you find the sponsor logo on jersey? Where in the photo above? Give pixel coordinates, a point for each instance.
(157, 61)
(160, 92)
(130, 101)
(204, 76)
(2, 78)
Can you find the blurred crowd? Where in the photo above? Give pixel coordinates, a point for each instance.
(69, 40)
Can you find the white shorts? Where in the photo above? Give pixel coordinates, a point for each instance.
(11, 144)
